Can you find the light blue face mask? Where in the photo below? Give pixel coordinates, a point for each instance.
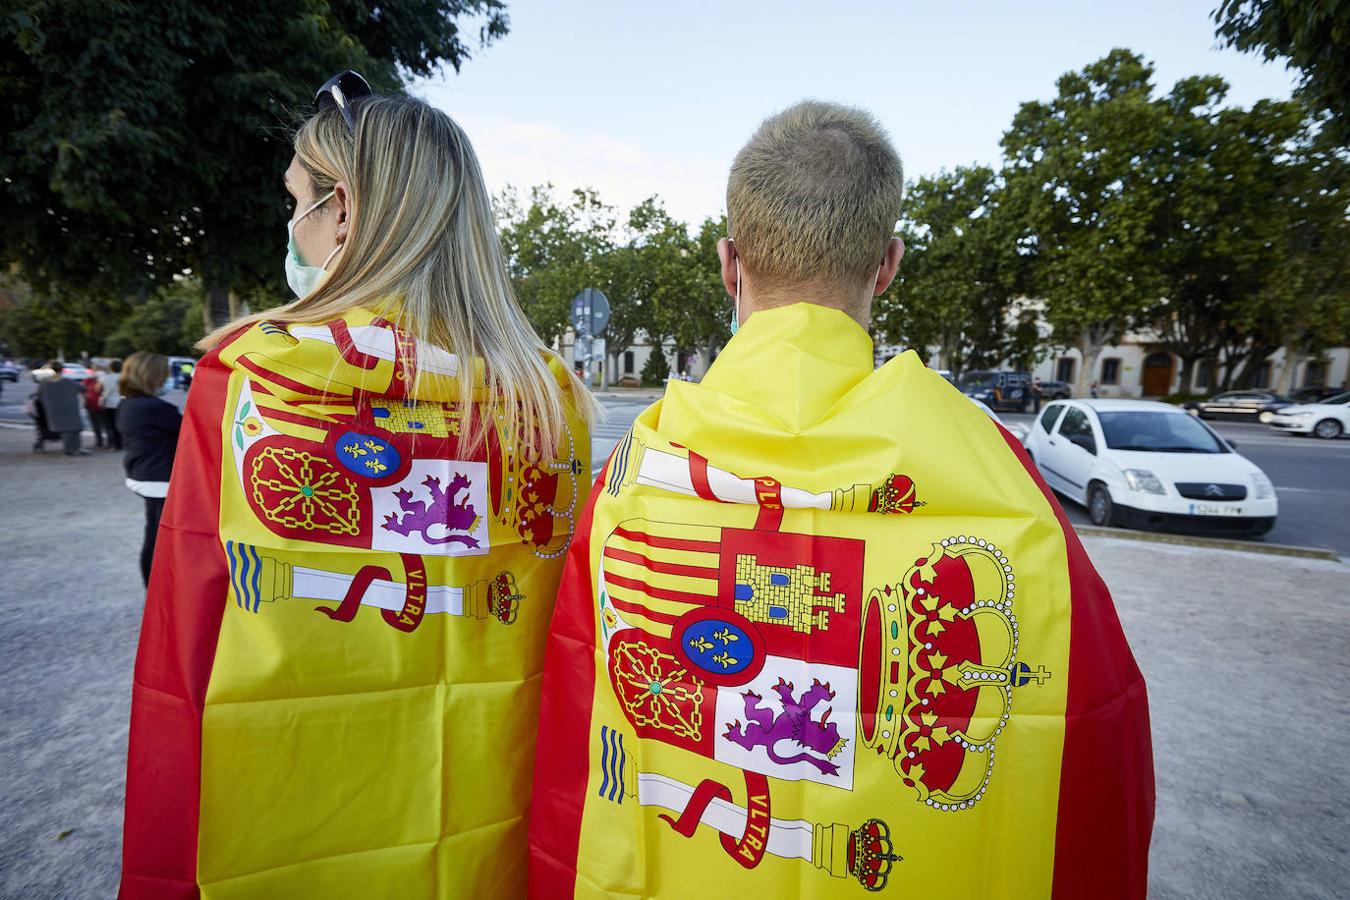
(304, 279)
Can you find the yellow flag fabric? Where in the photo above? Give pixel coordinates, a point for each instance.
(828, 634)
(337, 686)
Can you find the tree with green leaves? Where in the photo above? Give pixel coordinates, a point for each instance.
(1221, 178)
(1075, 181)
(1303, 305)
(42, 326)
(554, 249)
(960, 274)
(1313, 37)
(168, 322)
(147, 141)
(690, 304)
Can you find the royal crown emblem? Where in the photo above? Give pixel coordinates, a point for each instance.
(871, 854)
(939, 660)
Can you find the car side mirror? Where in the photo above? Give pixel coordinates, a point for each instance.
(1085, 441)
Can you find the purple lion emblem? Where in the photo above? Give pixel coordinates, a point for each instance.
(819, 739)
(442, 513)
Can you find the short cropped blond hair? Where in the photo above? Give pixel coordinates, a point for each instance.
(815, 195)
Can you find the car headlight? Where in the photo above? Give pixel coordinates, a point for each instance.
(1264, 489)
(1143, 480)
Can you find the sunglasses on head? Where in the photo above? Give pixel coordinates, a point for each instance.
(340, 91)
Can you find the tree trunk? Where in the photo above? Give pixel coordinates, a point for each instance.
(1292, 359)
(1089, 351)
(216, 311)
(1187, 373)
(1251, 361)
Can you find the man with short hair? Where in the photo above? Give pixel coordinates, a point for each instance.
(823, 626)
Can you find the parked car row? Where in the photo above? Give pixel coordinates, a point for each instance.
(1318, 410)
(1325, 418)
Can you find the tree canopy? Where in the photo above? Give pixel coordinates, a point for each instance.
(1312, 37)
(147, 141)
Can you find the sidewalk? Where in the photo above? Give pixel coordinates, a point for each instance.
(1244, 654)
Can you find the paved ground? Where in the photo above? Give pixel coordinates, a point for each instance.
(1245, 656)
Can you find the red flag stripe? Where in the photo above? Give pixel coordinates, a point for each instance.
(1106, 795)
(183, 609)
(698, 474)
(638, 610)
(565, 722)
(665, 568)
(289, 384)
(668, 543)
(658, 592)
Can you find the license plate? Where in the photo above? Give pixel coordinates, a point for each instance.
(1216, 509)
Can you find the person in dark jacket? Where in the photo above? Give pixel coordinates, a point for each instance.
(149, 429)
(60, 401)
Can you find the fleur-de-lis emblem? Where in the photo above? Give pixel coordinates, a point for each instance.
(376, 466)
(725, 660)
(725, 636)
(700, 644)
(354, 450)
(374, 447)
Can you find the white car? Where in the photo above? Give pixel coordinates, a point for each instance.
(1150, 465)
(1328, 419)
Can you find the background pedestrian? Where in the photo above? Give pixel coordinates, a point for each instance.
(111, 394)
(149, 427)
(60, 401)
(93, 404)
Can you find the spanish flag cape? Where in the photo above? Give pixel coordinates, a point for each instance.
(827, 632)
(337, 685)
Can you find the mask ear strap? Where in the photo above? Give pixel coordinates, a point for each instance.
(330, 257)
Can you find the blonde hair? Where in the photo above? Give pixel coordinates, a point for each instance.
(814, 196)
(143, 374)
(423, 249)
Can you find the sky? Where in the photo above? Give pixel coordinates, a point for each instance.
(640, 98)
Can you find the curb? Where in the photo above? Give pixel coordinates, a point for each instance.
(1159, 537)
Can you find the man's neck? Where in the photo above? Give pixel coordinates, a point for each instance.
(857, 306)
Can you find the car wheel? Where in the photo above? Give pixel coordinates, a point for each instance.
(1327, 428)
(1100, 508)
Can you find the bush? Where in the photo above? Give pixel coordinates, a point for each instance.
(656, 369)
(1183, 397)
(168, 322)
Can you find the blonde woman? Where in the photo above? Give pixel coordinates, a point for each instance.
(150, 427)
(338, 676)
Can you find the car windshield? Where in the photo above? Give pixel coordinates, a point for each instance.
(1158, 432)
(977, 380)
(1338, 400)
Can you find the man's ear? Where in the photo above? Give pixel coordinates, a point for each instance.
(726, 253)
(890, 264)
(342, 197)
